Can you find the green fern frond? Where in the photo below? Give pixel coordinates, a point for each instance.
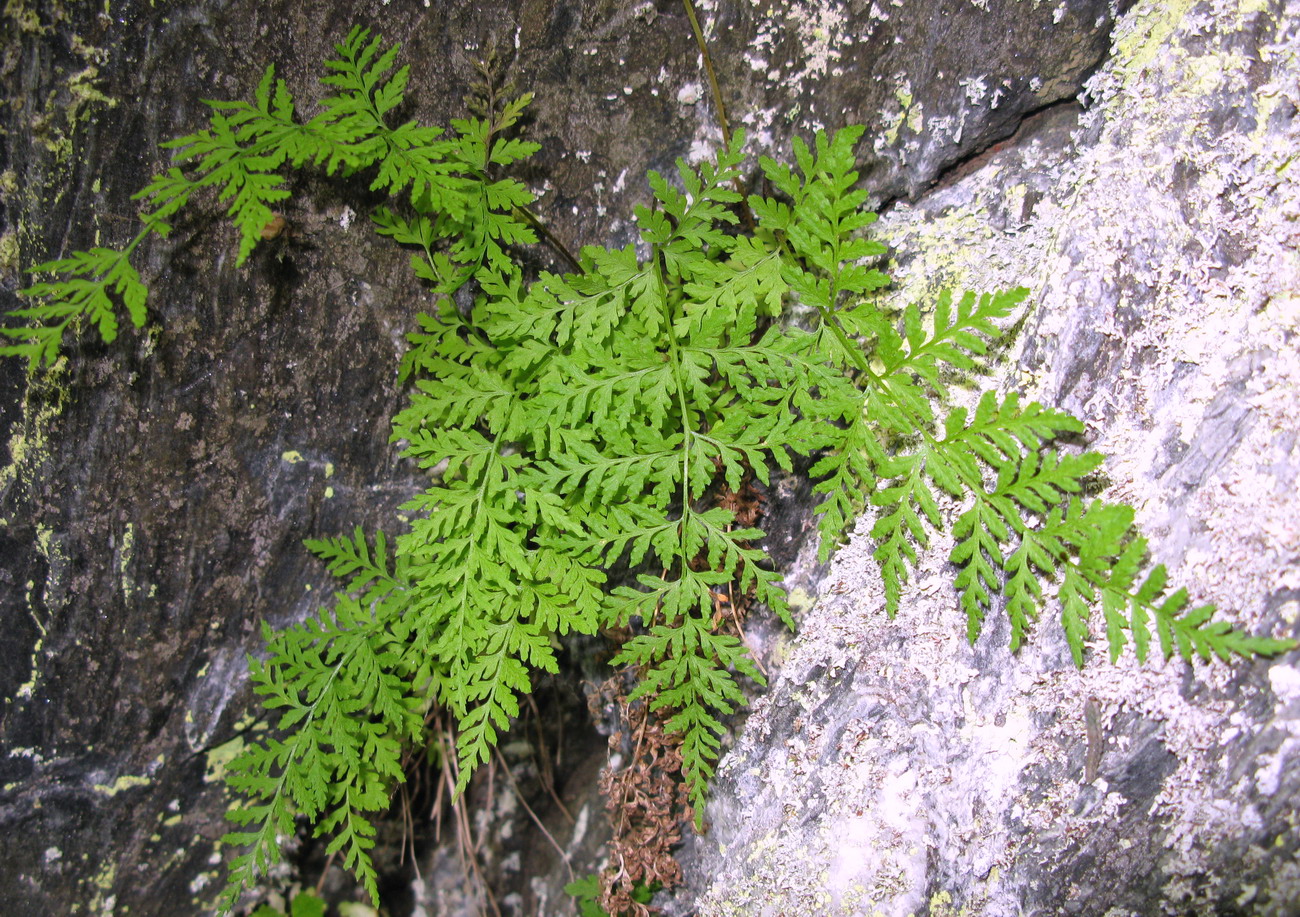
(369, 573)
(900, 529)
(411, 157)
(89, 278)
(686, 668)
(625, 332)
(956, 336)
(347, 712)
(239, 155)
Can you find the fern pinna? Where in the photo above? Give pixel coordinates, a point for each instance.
(578, 423)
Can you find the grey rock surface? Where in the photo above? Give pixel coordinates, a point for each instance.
(895, 770)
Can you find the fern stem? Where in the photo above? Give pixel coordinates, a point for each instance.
(708, 68)
(855, 354)
(675, 357)
(149, 229)
(746, 215)
(540, 228)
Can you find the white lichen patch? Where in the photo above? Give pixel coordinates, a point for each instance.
(822, 31)
(1162, 252)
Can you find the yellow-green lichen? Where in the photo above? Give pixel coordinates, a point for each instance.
(51, 550)
(941, 906)
(945, 250)
(84, 91)
(24, 17)
(222, 755)
(102, 902)
(1207, 73)
(58, 117)
(908, 113)
(291, 456)
(26, 689)
(125, 782)
(1138, 47)
(124, 561)
(29, 445)
(800, 600)
(9, 259)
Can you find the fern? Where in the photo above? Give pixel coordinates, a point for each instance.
(656, 334)
(241, 156)
(347, 711)
(580, 423)
(90, 278)
(889, 446)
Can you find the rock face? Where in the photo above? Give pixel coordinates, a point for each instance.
(893, 769)
(154, 491)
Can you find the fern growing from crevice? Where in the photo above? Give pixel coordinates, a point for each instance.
(576, 423)
(884, 445)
